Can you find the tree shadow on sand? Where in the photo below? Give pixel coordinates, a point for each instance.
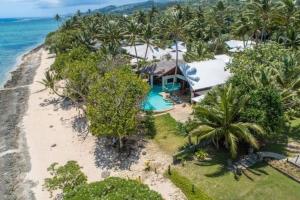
(58, 103)
(108, 156)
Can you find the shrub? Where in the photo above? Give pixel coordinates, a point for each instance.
(113, 189)
(201, 154)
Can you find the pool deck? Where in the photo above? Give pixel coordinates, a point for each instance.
(180, 112)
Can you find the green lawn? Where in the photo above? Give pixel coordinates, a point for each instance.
(167, 136)
(212, 178)
(258, 183)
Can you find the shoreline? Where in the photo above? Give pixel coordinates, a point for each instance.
(14, 155)
(18, 62)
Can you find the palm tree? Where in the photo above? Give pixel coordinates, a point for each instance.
(111, 33)
(173, 27)
(57, 18)
(262, 10)
(287, 13)
(242, 28)
(291, 38)
(132, 34)
(219, 121)
(147, 35)
(288, 81)
(49, 82)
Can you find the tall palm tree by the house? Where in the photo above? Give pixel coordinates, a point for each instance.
(174, 29)
(243, 29)
(132, 35)
(147, 36)
(219, 121)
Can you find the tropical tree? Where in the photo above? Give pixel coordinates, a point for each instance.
(111, 33)
(148, 33)
(49, 82)
(114, 103)
(218, 121)
(291, 38)
(65, 178)
(57, 18)
(261, 10)
(287, 13)
(132, 35)
(242, 28)
(173, 28)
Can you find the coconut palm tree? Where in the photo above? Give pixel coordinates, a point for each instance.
(262, 10)
(110, 33)
(132, 35)
(291, 38)
(57, 18)
(288, 13)
(242, 28)
(219, 121)
(173, 28)
(148, 33)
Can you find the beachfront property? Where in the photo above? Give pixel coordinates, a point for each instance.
(190, 80)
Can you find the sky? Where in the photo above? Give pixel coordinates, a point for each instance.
(48, 8)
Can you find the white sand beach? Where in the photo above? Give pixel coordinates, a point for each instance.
(53, 135)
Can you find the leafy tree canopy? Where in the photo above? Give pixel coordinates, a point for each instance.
(114, 102)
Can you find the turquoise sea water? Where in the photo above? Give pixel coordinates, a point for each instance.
(155, 102)
(17, 36)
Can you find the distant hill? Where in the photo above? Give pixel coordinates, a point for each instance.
(131, 8)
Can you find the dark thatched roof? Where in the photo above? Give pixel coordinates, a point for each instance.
(160, 68)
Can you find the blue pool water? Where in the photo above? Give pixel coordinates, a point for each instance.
(155, 102)
(18, 36)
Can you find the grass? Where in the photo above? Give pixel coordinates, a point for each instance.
(186, 187)
(212, 179)
(257, 183)
(167, 136)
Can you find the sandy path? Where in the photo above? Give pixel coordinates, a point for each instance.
(51, 137)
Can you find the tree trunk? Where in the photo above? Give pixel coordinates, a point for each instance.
(120, 143)
(146, 51)
(136, 55)
(176, 67)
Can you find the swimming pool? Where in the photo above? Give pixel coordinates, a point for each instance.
(155, 102)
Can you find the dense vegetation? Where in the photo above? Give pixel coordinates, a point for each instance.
(200, 178)
(73, 185)
(264, 92)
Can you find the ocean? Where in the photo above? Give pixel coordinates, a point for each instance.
(17, 36)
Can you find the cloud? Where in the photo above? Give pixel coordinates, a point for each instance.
(67, 3)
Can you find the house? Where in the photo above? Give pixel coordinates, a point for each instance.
(202, 76)
(195, 78)
(238, 45)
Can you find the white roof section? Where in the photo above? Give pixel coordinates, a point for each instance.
(181, 47)
(238, 45)
(153, 52)
(198, 98)
(205, 74)
(225, 58)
